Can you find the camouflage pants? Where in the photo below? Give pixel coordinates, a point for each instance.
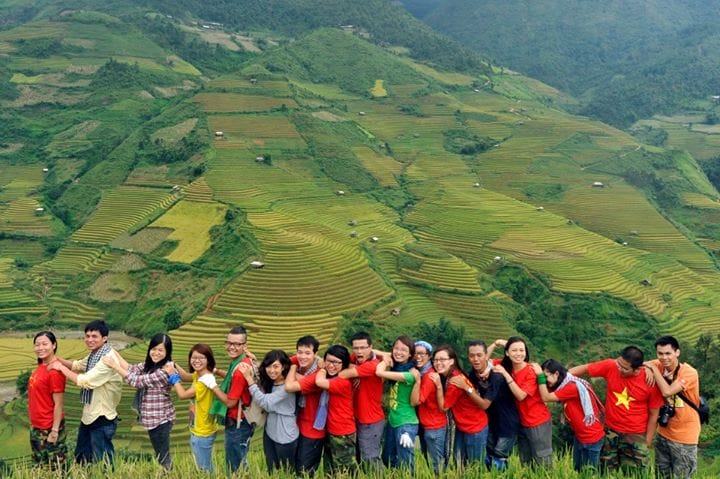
(44, 452)
(673, 459)
(340, 454)
(623, 451)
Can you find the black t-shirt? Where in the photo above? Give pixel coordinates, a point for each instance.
(502, 414)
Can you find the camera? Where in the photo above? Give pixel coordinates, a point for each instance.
(666, 412)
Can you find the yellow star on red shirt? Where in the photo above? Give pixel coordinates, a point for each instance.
(623, 398)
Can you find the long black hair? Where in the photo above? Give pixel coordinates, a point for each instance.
(165, 340)
(555, 366)
(266, 384)
(51, 336)
(506, 362)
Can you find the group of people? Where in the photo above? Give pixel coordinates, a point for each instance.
(332, 409)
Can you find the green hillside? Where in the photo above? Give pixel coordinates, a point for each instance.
(141, 177)
(627, 60)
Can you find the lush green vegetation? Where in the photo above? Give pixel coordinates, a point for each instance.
(627, 60)
(205, 177)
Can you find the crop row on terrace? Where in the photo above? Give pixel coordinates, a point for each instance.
(73, 258)
(253, 127)
(191, 223)
(234, 102)
(120, 210)
(383, 167)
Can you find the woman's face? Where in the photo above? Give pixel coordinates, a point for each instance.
(274, 371)
(198, 361)
(552, 378)
(333, 364)
(400, 352)
(158, 353)
(442, 362)
(44, 348)
(516, 352)
(421, 356)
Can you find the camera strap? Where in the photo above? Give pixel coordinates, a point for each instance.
(680, 394)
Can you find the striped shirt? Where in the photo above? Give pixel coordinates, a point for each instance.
(156, 407)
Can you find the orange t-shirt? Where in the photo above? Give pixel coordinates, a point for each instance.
(684, 427)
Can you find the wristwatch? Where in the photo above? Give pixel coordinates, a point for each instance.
(470, 390)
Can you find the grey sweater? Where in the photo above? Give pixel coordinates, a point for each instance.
(281, 425)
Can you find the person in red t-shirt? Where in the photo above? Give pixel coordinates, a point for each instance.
(230, 397)
(301, 378)
(369, 413)
(46, 392)
(471, 421)
(336, 411)
(535, 435)
(582, 409)
(433, 419)
(631, 408)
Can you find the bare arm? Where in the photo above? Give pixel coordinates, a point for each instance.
(59, 401)
(349, 373)
(415, 393)
(581, 370)
(517, 391)
(495, 344)
(321, 379)
(292, 385)
(667, 390)
(60, 366)
(183, 393)
(651, 425)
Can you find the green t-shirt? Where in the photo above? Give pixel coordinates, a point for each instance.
(401, 411)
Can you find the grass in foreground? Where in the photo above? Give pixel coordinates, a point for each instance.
(142, 467)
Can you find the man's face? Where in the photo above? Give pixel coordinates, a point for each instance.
(477, 356)
(624, 367)
(235, 345)
(305, 356)
(668, 356)
(94, 340)
(361, 349)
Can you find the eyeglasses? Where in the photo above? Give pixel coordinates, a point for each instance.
(333, 361)
(233, 344)
(358, 348)
(441, 360)
(198, 358)
(420, 353)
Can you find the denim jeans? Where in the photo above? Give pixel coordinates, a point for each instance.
(435, 446)
(587, 454)
(94, 441)
(393, 454)
(160, 440)
(237, 441)
(202, 449)
(470, 447)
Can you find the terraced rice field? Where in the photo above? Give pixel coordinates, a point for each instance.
(191, 222)
(20, 216)
(384, 168)
(239, 127)
(175, 133)
(120, 210)
(74, 258)
(30, 251)
(235, 102)
(17, 354)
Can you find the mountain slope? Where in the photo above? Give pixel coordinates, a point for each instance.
(629, 59)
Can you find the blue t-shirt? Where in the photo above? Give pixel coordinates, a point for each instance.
(503, 417)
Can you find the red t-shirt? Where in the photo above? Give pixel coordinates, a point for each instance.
(469, 417)
(368, 396)
(341, 419)
(570, 398)
(628, 400)
(306, 415)
(41, 386)
(239, 390)
(429, 413)
(532, 409)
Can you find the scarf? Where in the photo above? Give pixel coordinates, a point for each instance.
(93, 359)
(218, 410)
(587, 397)
(322, 412)
(306, 372)
(425, 368)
